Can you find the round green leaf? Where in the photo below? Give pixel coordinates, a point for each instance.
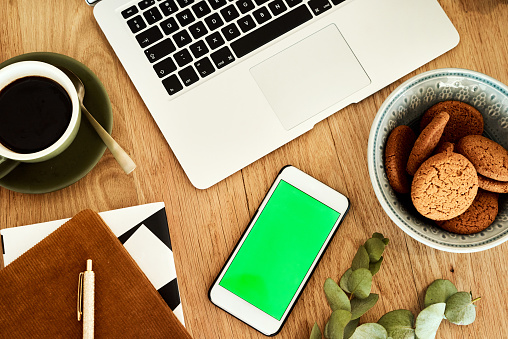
(375, 266)
(375, 248)
(344, 280)
(439, 291)
(370, 331)
(335, 296)
(360, 283)
(428, 321)
(381, 237)
(460, 309)
(316, 332)
(399, 324)
(360, 306)
(335, 327)
(361, 259)
(350, 328)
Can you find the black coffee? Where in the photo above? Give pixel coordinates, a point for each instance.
(34, 114)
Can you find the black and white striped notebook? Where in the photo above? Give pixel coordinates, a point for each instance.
(143, 230)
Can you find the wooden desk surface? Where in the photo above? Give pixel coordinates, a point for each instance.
(205, 224)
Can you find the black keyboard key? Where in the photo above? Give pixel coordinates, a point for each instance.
(204, 67)
(145, 4)
(271, 31)
(182, 38)
(152, 15)
(198, 30)
(201, 9)
(222, 57)
(184, 3)
(185, 17)
(229, 13)
(213, 21)
(149, 36)
(169, 26)
(182, 57)
(293, 3)
(136, 24)
(319, 6)
(127, 13)
(168, 7)
(260, 2)
(160, 50)
(245, 6)
(164, 67)
(246, 23)
(230, 32)
(199, 49)
(262, 15)
(277, 7)
(172, 84)
(336, 2)
(216, 4)
(188, 76)
(214, 40)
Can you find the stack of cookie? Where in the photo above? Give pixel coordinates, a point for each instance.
(453, 173)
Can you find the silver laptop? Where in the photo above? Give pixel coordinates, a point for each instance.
(229, 81)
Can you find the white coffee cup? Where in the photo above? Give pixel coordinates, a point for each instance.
(9, 158)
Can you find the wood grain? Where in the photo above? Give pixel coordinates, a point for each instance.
(205, 224)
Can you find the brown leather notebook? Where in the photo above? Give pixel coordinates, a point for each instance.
(38, 291)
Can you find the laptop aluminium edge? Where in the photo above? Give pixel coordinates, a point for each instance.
(249, 103)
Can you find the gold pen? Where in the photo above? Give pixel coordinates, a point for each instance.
(86, 300)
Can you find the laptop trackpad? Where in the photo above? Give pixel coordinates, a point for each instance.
(310, 76)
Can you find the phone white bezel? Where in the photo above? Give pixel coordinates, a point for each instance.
(245, 311)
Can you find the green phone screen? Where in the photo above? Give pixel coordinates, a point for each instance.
(279, 250)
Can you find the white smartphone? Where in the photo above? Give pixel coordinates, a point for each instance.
(282, 245)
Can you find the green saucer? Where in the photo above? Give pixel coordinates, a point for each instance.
(86, 149)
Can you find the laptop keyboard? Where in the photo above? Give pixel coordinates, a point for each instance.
(187, 40)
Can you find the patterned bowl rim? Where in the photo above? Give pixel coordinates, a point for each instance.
(371, 149)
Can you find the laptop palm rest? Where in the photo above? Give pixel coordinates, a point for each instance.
(297, 92)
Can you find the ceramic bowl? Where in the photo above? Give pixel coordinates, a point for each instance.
(405, 106)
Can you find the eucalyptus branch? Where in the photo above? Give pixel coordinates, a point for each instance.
(351, 298)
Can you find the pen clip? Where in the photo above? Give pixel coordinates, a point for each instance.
(80, 296)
